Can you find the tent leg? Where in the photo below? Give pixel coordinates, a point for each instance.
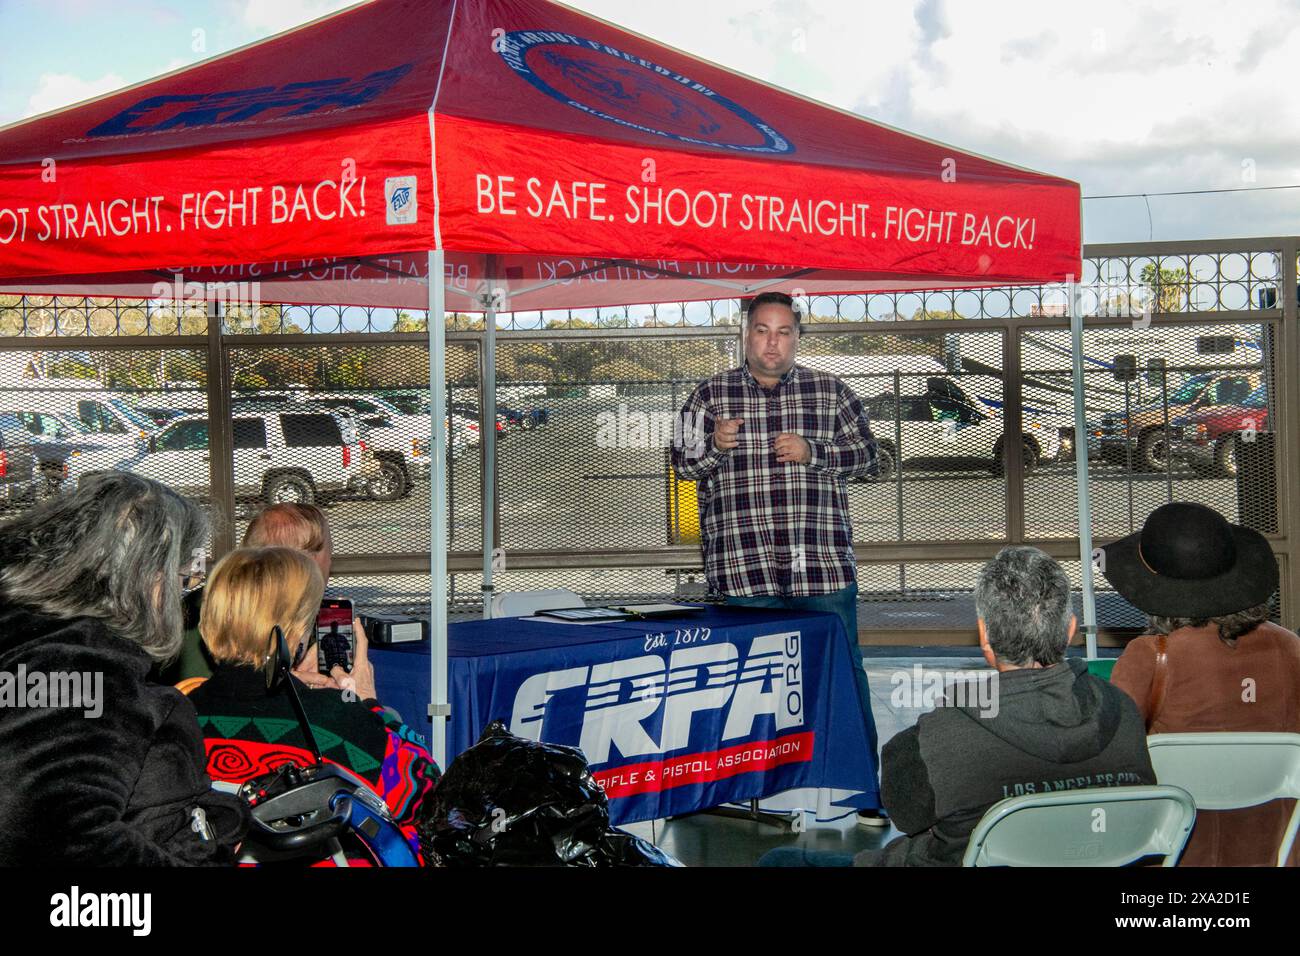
(1081, 471)
(439, 707)
(488, 418)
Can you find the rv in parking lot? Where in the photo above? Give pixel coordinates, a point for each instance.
(1135, 377)
(939, 414)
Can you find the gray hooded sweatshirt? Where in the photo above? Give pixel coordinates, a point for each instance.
(1055, 728)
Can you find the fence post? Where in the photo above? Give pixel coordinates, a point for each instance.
(1013, 435)
(1288, 434)
(1088, 592)
(898, 470)
(488, 430)
(221, 441)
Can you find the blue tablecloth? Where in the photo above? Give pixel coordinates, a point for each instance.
(674, 715)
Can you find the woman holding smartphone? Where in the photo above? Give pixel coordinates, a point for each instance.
(249, 732)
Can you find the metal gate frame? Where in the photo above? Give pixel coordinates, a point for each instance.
(1286, 381)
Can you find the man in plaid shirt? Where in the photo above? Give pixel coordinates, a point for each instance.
(771, 445)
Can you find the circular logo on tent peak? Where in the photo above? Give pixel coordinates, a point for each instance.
(631, 91)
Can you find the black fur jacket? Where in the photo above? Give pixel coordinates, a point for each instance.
(98, 767)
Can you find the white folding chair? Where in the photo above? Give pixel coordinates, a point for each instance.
(1230, 771)
(1104, 826)
(524, 603)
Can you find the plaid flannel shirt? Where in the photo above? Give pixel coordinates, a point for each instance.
(770, 528)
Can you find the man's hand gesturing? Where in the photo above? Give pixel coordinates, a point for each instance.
(791, 447)
(726, 434)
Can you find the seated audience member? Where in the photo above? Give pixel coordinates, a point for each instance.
(1053, 725)
(249, 732)
(105, 768)
(301, 527)
(1212, 660)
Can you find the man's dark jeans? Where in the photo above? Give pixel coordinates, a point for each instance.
(844, 603)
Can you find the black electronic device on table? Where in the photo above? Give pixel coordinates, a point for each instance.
(620, 612)
(388, 629)
(645, 612)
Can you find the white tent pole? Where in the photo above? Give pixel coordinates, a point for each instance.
(439, 707)
(1075, 308)
(489, 418)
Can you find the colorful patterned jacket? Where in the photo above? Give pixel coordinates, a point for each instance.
(248, 733)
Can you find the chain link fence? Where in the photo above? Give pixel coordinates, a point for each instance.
(1187, 353)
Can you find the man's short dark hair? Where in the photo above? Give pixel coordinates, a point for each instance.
(773, 298)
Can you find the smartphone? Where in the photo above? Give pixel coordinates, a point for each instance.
(336, 642)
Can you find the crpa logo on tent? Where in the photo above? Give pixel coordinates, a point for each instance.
(604, 82)
(188, 110)
(399, 199)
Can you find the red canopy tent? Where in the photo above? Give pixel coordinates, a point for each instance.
(546, 157)
(513, 127)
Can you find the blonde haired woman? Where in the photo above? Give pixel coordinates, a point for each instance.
(249, 732)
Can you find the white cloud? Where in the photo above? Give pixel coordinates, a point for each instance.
(265, 17)
(55, 90)
(1121, 96)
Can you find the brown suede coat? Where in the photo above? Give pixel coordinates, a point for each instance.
(1204, 693)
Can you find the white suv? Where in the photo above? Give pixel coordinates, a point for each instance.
(294, 455)
(400, 442)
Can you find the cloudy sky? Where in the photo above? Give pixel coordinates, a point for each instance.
(1125, 96)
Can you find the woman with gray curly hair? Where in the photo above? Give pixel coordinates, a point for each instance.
(99, 766)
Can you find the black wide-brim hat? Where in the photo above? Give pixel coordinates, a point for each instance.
(1188, 561)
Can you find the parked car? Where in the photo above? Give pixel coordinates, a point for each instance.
(469, 411)
(943, 424)
(260, 401)
(161, 416)
(109, 415)
(1204, 439)
(18, 475)
(1114, 438)
(417, 403)
(295, 455)
(400, 443)
(409, 403)
(54, 438)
